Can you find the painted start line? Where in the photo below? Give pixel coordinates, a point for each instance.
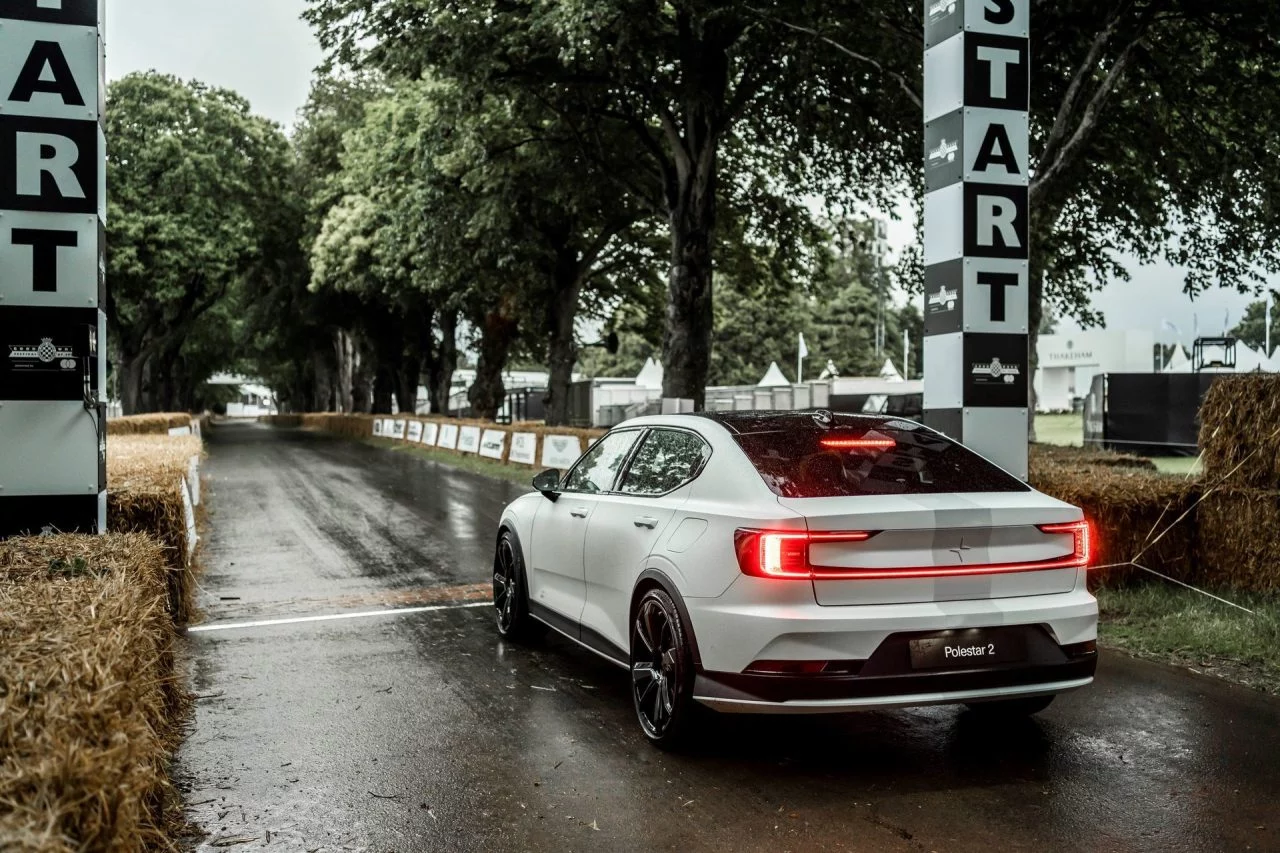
(333, 617)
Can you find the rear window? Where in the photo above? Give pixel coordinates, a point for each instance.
(798, 457)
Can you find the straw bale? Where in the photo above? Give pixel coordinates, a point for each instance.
(154, 424)
(91, 707)
(1050, 454)
(1130, 508)
(1239, 421)
(1240, 539)
(144, 494)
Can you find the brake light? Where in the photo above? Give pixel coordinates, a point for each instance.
(858, 443)
(785, 555)
(1083, 553)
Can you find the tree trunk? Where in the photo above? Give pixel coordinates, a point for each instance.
(384, 386)
(442, 361)
(131, 373)
(498, 333)
(686, 346)
(562, 352)
(407, 386)
(345, 357)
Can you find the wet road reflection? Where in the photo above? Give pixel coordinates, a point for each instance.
(425, 732)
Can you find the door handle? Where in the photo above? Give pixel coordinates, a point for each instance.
(646, 521)
(578, 512)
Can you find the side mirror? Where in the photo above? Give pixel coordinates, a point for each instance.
(548, 482)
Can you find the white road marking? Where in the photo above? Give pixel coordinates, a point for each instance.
(393, 611)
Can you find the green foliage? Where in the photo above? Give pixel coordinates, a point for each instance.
(1252, 328)
(197, 184)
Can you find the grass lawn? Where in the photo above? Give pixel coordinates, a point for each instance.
(1067, 430)
(1167, 623)
(465, 461)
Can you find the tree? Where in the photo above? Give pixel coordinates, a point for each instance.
(197, 184)
(691, 81)
(1252, 328)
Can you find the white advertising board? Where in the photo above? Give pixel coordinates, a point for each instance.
(560, 451)
(524, 448)
(469, 439)
(448, 436)
(430, 433)
(493, 443)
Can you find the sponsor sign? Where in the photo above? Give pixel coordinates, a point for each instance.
(377, 427)
(448, 436)
(415, 431)
(560, 451)
(524, 448)
(183, 430)
(493, 443)
(189, 514)
(398, 428)
(430, 432)
(976, 235)
(193, 478)
(52, 265)
(469, 439)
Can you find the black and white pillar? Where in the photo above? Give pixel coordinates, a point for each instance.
(976, 87)
(52, 268)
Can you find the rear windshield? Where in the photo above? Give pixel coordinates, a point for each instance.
(800, 458)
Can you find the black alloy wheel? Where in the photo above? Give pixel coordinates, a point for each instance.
(661, 670)
(510, 604)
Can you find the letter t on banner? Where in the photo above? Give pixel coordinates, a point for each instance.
(976, 92)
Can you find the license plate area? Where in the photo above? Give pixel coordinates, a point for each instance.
(968, 649)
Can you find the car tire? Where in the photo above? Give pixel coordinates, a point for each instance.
(662, 671)
(1011, 708)
(510, 593)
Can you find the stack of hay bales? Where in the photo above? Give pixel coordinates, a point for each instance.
(155, 424)
(149, 490)
(1137, 513)
(90, 701)
(1240, 515)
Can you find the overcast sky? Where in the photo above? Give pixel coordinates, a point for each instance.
(262, 49)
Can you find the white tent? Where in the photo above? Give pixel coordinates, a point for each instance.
(889, 372)
(773, 377)
(1178, 362)
(650, 376)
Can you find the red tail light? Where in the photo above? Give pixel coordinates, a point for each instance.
(1083, 554)
(865, 443)
(777, 554)
(785, 555)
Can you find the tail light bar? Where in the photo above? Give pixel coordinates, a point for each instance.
(784, 555)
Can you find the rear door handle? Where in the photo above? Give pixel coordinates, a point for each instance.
(646, 521)
(578, 512)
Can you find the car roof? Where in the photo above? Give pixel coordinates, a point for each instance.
(745, 423)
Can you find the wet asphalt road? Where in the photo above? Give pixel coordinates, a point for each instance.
(424, 732)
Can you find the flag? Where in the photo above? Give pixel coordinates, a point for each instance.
(804, 350)
(1172, 327)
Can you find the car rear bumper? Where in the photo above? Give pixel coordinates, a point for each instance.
(889, 677)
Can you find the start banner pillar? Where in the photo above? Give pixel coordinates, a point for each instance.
(52, 270)
(976, 88)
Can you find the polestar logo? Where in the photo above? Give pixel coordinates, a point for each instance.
(996, 370)
(959, 551)
(942, 7)
(944, 299)
(945, 151)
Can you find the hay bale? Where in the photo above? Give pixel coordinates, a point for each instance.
(1240, 431)
(154, 424)
(145, 484)
(90, 702)
(1042, 455)
(1129, 508)
(1239, 545)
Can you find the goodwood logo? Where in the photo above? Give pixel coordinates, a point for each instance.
(944, 152)
(560, 445)
(996, 370)
(45, 356)
(943, 300)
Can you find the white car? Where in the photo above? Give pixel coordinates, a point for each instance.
(801, 562)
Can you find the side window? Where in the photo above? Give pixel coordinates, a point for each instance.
(596, 470)
(667, 460)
